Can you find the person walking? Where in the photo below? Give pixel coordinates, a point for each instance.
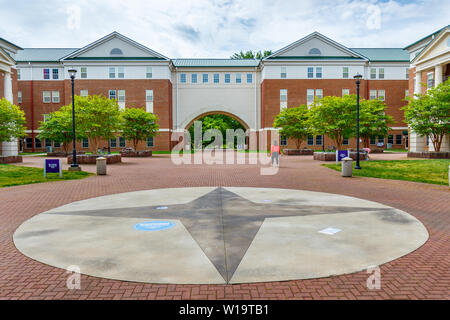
(275, 152)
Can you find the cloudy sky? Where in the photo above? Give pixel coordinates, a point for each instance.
(219, 28)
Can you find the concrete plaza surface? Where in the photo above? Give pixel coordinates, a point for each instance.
(421, 274)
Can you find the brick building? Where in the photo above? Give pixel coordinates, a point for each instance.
(180, 91)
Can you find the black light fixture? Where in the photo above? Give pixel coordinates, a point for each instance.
(74, 166)
(358, 78)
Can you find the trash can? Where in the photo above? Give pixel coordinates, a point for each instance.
(101, 166)
(347, 167)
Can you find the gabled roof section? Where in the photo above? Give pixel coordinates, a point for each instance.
(428, 36)
(42, 54)
(431, 44)
(313, 45)
(10, 44)
(384, 54)
(5, 57)
(99, 50)
(205, 63)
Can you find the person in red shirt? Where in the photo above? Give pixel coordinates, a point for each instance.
(275, 152)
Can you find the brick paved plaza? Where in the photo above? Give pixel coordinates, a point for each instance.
(422, 274)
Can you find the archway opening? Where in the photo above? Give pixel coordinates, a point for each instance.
(214, 124)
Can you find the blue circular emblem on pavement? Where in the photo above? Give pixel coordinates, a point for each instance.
(154, 225)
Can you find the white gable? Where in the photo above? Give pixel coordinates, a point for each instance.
(315, 45)
(439, 47)
(104, 50)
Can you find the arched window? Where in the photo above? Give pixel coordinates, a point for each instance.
(116, 51)
(315, 51)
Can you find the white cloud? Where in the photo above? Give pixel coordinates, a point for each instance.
(219, 28)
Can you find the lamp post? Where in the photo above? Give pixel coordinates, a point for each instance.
(74, 166)
(358, 78)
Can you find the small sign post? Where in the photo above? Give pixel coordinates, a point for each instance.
(341, 154)
(52, 166)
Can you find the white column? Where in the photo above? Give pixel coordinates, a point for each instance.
(417, 143)
(9, 148)
(437, 75)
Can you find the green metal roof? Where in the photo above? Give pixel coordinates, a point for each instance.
(112, 58)
(205, 63)
(432, 34)
(384, 54)
(42, 54)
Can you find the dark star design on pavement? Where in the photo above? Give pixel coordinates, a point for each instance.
(222, 222)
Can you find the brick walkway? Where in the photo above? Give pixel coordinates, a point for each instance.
(422, 274)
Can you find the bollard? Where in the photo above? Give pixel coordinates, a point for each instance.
(347, 167)
(101, 166)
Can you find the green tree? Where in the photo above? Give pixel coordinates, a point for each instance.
(251, 55)
(12, 121)
(334, 117)
(58, 127)
(293, 123)
(429, 114)
(99, 117)
(139, 125)
(373, 121)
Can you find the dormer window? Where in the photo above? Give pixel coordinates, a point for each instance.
(315, 52)
(116, 52)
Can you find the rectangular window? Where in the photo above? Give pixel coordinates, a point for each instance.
(120, 72)
(249, 78)
(37, 143)
(149, 95)
(83, 72)
(373, 94)
(112, 72)
(380, 140)
(283, 98)
(83, 93)
(238, 78)
(29, 143)
(183, 77)
(430, 80)
(19, 96)
(345, 72)
(46, 96)
(283, 141)
(407, 73)
(149, 73)
(381, 73)
(310, 72)
(310, 140)
(406, 93)
(345, 92)
(85, 143)
(216, 78)
(372, 140)
(46, 74)
(319, 72)
(390, 139)
(18, 74)
(381, 95)
(46, 117)
(55, 74)
(398, 139)
(48, 143)
(227, 78)
(205, 78)
(122, 142)
(309, 96)
(373, 73)
(150, 142)
(56, 144)
(319, 140)
(55, 96)
(283, 73)
(194, 78)
(113, 143)
(120, 95)
(112, 94)
(319, 93)
(345, 142)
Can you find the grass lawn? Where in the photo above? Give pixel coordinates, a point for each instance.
(395, 150)
(11, 175)
(29, 153)
(428, 171)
